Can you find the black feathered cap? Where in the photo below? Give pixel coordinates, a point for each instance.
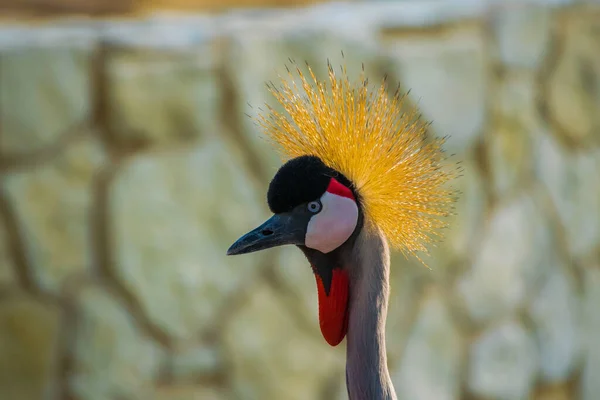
(301, 180)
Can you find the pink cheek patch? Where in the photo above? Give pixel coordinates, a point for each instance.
(330, 228)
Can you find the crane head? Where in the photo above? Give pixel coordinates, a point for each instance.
(317, 209)
(313, 206)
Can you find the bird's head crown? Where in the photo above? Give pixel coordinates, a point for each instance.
(376, 142)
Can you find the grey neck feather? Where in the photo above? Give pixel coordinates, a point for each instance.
(368, 263)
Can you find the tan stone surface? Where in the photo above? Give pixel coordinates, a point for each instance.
(503, 363)
(575, 82)
(29, 336)
(161, 98)
(296, 283)
(522, 32)
(174, 216)
(7, 275)
(408, 279)
(465, 227)
(188, 392)
(53, 205)
(509, 149)
(556, 314)
(44, 93)
(433, 356)
(514, 99)
(58, 8)
(555, 392)
(570, 179)
(191, 363)
(590, 385)
(447, 79)
(272, 357)
(508, 262)
(111, 357)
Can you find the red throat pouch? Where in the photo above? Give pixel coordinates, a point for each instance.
(333, 307)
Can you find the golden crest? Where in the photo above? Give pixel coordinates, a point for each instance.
(375, 142)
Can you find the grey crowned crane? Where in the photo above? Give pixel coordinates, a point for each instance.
(360, 172)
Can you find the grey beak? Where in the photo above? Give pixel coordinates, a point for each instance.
(279, 230)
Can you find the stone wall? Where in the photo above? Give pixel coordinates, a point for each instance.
(104, 8)
(128, 166)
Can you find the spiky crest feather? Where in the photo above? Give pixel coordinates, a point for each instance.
(369, 137)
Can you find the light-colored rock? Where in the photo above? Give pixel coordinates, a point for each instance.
(508, 262)
(522, 34)
(111, 358)
(29, 333)
(571, 179)
(509, 149)
(7, 275)
(503, 363)
(19, 35)
(174, 33)
(297, 287)
(408, 277)
(447, 78)
(556, 315)
(162, 98)
(271, 358)
(190, 363)
(555, 392)
(590, 384)
(511, 135)
(431, 365)
(174, 216)
(360, 19)
(53, 204)
(574, 86)
(264, 54)
(44, 92)
(514, 99)
(465, 227)
(188, 392)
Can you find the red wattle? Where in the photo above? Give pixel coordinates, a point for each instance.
(333, 308)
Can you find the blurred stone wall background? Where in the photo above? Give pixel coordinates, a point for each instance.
(57, 8)
(128, 166)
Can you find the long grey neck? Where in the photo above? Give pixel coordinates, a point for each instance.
(367, 375)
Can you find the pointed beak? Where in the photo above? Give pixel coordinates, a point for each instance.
(279, 230)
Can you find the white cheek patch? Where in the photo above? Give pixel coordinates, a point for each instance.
(331, 227)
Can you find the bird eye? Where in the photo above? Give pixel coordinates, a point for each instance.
(314, 206)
